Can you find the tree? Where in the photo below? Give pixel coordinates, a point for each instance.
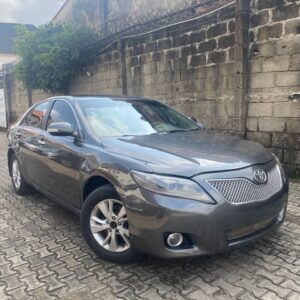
(51, 56)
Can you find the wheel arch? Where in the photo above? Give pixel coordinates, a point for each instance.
(10, 154)
(94, 183)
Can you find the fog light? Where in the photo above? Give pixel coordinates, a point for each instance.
(281, 215)
(174, 239)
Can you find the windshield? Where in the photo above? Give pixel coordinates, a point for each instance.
(132, 117)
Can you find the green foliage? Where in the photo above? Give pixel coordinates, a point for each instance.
(51, 56)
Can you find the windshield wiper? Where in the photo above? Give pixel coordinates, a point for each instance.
(199, 128)
(176, 130)
(182, 130)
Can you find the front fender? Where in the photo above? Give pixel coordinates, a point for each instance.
(114, 168)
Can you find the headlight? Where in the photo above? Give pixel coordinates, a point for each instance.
(171, 186)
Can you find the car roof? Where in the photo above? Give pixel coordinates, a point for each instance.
(99, 97)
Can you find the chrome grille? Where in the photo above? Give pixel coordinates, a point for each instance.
(242, 190)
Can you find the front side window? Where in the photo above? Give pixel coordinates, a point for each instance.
(36, 116)
(133, 117)
(62, 112)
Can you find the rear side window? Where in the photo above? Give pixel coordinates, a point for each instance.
(62, 112)
(36, 116)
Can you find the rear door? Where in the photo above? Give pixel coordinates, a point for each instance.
(61, 157)
(27, 136)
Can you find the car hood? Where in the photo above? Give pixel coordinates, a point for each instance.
(189, 153)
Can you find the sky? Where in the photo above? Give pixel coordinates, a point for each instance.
(35, 12)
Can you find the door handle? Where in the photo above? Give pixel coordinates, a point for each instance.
(41, 142)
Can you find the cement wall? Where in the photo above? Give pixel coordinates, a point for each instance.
(18, 98)
(81, 12)
(190, 66)
(236, 70)
(6, 58)
(123, 13)
(274, 78)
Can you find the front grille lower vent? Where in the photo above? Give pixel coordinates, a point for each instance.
(242, 190)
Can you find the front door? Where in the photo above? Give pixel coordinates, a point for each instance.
(27, 142)
(62, 158)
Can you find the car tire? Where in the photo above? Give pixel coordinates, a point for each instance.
(20, 185)
(104, 225)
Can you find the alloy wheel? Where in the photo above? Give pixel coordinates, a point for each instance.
(109, 225)
(16, 174)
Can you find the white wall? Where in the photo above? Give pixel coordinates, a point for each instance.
(7, 58)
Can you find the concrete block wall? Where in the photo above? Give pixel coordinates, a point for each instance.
(231, 75)
(274, 78)
(189, 66)
(104, 77)
(21, 99)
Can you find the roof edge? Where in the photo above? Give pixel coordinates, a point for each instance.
(59, 11)
(15, 24)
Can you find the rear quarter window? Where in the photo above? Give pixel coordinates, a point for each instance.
(36, 116)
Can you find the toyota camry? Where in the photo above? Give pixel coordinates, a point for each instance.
(146, 179)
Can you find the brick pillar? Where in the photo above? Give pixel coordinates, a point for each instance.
(242, 57)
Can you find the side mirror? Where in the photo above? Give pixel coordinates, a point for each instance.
(194, 119)
(60, 129)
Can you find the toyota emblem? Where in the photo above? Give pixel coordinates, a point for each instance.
(260, 176)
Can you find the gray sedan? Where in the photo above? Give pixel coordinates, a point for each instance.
(146, 179)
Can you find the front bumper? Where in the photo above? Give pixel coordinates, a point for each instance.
(210, 228)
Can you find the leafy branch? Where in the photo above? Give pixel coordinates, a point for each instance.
(51, 56)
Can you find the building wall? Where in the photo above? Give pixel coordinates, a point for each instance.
(80, 12)
(105, 76)
(139, 10)
(6, 58)
(231, 75)
(274, 80)
(123, 13)
(19, 99)
(190, 67)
